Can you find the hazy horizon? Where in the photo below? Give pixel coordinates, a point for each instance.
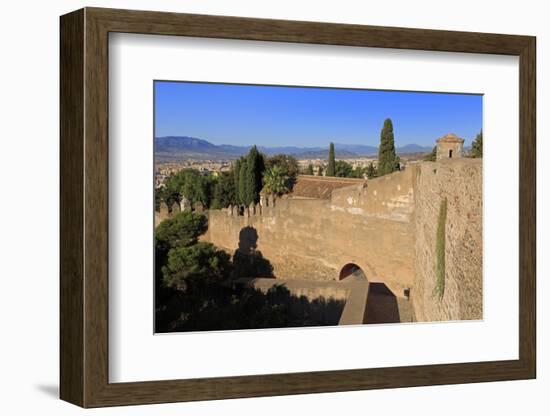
(323, 146)
(283, 116)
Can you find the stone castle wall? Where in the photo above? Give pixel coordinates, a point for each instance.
(387, 227)
(460, 182)
(369, 226)
(390, 197)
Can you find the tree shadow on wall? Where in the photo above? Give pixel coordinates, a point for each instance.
(248, 261)
(242, 306)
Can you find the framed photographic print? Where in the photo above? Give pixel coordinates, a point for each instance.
(255, 207)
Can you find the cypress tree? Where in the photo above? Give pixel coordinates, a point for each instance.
(331, 161)
(236, 174)
(477, 145)
(224, 191)
(309, 170)
(255, 168)
(387, 159)
(320, 171)
(241, 189)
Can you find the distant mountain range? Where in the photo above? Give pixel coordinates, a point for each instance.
(183, 147)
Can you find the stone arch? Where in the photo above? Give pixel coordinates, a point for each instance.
(352, 271)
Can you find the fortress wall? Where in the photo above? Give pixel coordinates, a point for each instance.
(291, 234)
(389, 197)
(460, 181)
(387, 228)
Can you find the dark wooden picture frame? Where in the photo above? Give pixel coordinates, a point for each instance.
(84, 207)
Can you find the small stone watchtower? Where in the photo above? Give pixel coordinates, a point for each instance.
(449, 146)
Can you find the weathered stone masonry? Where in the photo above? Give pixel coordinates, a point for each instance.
(460, 181)
(369, 226)
(387, 228)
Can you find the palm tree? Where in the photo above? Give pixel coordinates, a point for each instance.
(275, 181)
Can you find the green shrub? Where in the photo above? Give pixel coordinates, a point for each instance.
(194, 266)
(182, 230)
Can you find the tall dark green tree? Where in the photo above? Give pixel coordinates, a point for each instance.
(320, 171)
(236, 169)
(241, 189)
(309, 170)
(331, 169)
(387, 159)
(255, 167)
(203, 189)
(477, 145)
(224, 191)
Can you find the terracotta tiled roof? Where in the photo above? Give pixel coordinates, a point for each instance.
(319, 187)
(450, 138)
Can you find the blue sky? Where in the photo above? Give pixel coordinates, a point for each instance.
(308, 117)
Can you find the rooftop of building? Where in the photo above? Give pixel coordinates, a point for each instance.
(450, 138)
(320, 187)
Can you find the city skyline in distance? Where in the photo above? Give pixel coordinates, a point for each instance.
(306, 117)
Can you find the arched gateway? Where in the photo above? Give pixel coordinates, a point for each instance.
(352, 271)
